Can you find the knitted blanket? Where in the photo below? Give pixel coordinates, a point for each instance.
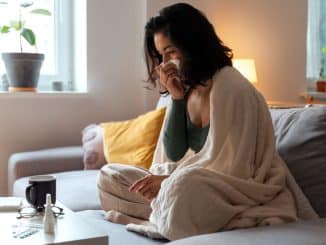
(237, 180)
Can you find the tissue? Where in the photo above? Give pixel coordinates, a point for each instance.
(174, 61)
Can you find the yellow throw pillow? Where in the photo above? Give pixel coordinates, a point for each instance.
(133, 142)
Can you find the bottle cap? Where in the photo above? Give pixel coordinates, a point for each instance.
(48, 199)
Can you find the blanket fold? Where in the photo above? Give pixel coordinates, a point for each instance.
(237, 180)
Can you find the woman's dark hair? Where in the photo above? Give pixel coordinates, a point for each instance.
(191, 32)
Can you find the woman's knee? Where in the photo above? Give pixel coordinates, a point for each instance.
(108, 185)
(108, 177)
(126, 174)
(117, 178)
(113, 188)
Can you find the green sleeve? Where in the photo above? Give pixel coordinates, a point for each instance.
(175, 131)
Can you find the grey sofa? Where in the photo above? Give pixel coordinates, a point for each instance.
(301, 141)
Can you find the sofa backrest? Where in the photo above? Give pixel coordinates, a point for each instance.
(163, 101)
(301, 141)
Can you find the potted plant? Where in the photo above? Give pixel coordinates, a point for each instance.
(23, 69)
(321, 82)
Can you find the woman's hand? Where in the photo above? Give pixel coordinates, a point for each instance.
(148, 186)
(170, 79)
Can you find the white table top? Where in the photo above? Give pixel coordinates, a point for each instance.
(70, 229)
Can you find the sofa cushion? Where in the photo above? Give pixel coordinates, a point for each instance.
(75, 189)
(92, 139)
(133, 141)
(296, 233)
(118, 234)
(301, 142)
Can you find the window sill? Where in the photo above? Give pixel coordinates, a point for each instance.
(44, 94)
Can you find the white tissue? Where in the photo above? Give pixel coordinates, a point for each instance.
(174, 61)
(8, 204)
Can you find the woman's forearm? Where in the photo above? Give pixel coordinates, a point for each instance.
(174, 138)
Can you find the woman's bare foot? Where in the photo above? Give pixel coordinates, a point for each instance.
(123, 219)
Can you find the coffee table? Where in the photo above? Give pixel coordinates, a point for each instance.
(70, 229)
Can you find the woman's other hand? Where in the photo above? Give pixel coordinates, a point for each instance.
(148, 186)
(170, 79)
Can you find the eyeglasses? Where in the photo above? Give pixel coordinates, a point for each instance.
(29, 212)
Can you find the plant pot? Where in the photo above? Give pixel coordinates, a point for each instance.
(321, 86)
(23, 70)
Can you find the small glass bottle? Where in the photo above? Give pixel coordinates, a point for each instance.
(48, 220)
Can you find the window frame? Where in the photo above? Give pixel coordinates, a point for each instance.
(313, 43)
(316, 38)
(63, 33)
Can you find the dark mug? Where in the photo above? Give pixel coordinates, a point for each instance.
(39, 186)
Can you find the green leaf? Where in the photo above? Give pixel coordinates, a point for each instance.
(323, 50)
(26, 4)
(17, 25)
(41, 11)
(4, 29)
(29, 36)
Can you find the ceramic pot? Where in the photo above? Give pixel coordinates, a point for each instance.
(321, 86)
(23, 69)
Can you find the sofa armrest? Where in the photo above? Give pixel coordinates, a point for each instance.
(44, 162)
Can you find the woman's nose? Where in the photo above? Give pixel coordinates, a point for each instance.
(166, 59)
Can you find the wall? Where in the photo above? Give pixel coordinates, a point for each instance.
(271, 32)
(31, 122)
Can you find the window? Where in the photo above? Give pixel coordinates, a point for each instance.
(316, 39)
(54, 37)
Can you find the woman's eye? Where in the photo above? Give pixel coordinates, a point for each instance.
(170, 51)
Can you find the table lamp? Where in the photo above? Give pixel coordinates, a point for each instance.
(247, 68)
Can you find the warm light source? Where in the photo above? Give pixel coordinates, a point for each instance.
(247, 68)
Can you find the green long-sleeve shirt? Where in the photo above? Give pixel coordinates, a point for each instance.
(180, 133)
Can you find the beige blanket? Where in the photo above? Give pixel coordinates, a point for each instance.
(237, 180)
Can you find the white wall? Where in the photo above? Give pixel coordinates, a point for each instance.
(31, 122)
(271, 32)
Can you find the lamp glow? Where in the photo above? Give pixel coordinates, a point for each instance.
(247, 68)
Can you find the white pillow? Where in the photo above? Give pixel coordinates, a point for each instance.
(92, 139)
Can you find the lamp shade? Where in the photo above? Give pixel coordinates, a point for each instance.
(247, 68)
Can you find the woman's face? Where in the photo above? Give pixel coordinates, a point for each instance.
(166, 48)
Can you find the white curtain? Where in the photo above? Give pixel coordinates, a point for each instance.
(313, 39)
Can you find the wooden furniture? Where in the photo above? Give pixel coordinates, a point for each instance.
(282, 104)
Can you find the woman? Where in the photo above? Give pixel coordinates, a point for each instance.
(215, 166)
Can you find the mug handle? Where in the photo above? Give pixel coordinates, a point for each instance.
(30, 195)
